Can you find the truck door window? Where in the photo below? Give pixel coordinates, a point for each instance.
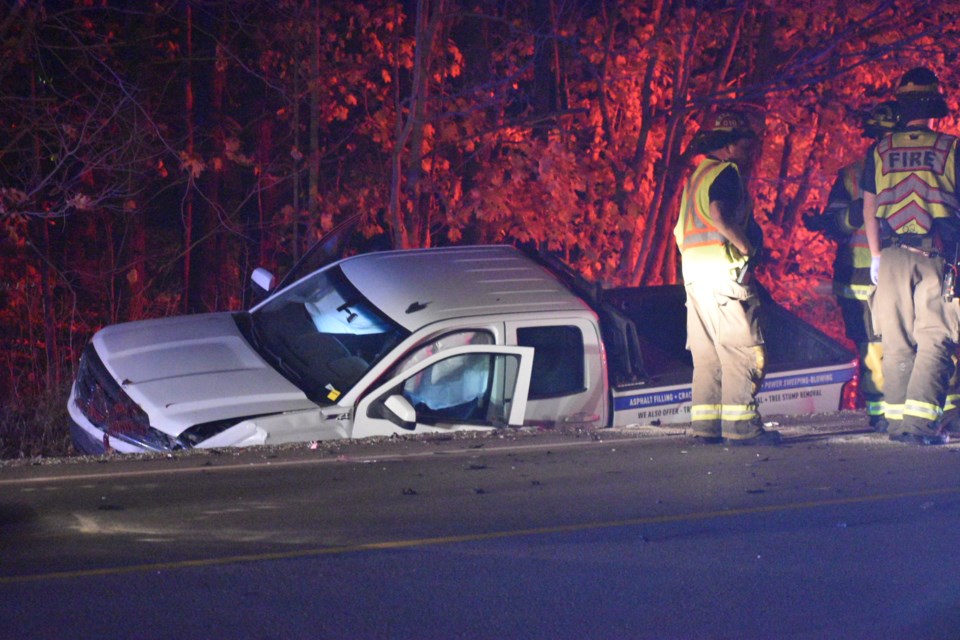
(446, 341)
(469, 388)
(558, 360)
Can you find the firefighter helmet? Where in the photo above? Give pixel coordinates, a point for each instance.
(919, 95)
(883, 118)
(723, 128)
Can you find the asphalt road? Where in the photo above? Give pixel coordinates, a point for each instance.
(615, 534)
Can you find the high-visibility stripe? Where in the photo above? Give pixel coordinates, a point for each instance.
(702, 239)
(912, 218)
(893, 411)
(912, 87)
(914, 185)
(854, 291)
(738, 413)
(698, 229)
(952, 402)
(923, 410)
(700, 412)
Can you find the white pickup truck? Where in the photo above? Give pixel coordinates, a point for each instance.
(419, 341)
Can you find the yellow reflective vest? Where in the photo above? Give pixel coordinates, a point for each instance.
(851, 267)
(706, 253)
(915, 174)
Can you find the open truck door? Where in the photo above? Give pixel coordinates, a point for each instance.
(343, 240)
(464, 388)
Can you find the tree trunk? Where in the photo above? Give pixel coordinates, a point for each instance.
(217, 287)
(136, 276)
(267, 196)
(209, 252)
(791, 210)
(313, 187)
(51, 350)
(630, 257)
(545, 89)
(407, 156)
(658, 236)
(658, 228)
(191, 153)
(297, 180)
(41, 240)
(783, 175)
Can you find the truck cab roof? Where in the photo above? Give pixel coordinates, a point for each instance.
(433, 285)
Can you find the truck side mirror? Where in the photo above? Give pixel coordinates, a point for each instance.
(263, 279)
(400, 412)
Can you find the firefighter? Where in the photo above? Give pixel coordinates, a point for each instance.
(723, 333)
(910, 207)
(842, 221)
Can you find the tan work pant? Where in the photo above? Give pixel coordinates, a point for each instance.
(859, 324)
(919, 332)
(723, 336)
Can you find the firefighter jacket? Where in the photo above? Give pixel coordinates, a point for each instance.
(851, 267)
(914, 175)
(705, 251)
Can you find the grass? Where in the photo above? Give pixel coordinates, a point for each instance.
(37, 427)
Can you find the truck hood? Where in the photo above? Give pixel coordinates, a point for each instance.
(194, 369)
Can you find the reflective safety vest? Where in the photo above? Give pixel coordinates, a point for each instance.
(705, 251)
(851, 267)
(916, 179)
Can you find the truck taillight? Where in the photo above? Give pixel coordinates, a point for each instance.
(850, 397)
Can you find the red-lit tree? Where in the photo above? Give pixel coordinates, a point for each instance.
(152, 154)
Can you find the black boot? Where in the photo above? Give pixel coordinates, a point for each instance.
(763, 439)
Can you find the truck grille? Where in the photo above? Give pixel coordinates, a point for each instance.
(103, 401)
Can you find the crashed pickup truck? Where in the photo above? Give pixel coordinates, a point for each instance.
(420, 341)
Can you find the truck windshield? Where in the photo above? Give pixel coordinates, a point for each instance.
(322, 334)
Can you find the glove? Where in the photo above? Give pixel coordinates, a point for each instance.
(875, 269)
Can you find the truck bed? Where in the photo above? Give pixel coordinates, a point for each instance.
(805, 368)
(659, 315)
